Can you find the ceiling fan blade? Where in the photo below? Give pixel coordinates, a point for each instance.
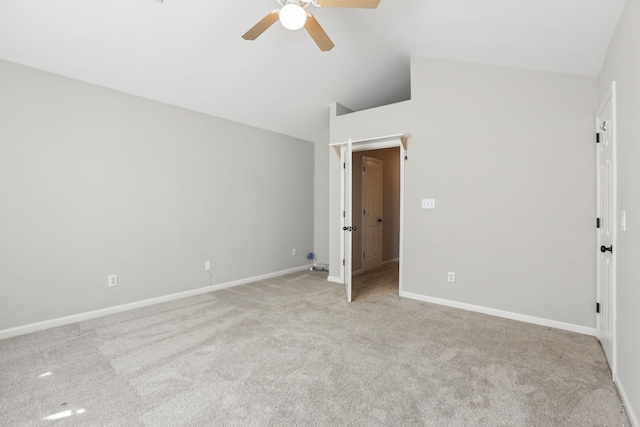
(261, 26)
(361, 4)
(317, 33)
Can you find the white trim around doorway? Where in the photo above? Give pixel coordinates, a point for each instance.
(379, 143)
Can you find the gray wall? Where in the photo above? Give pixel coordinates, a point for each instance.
(508, 155)
(321, 202)
(96, 182)
(390, 158)
(622, 64)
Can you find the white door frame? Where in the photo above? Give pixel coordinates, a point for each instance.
(365, 145)
(610, 97)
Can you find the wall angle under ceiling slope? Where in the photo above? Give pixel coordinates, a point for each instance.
(391, 88)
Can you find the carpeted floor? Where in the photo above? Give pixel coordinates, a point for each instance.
(291, 351)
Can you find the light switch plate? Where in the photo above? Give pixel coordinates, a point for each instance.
(428, 203)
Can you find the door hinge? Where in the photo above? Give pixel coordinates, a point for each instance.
(597, 222)
(342, 262)
(344, 214)
(364, 212)
(344, 166)
(597, 137)
(364, 169)
(597, 307)
(364, 254)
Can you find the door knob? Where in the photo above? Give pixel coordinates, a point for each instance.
(605, 249)
(379, 219)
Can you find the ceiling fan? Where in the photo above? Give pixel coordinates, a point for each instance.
(293, 16)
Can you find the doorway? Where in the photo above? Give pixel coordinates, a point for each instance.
(345, 151)
(376, 208)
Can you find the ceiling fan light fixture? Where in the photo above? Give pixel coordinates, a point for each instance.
(293, 16)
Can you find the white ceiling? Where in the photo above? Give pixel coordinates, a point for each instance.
(190, 52)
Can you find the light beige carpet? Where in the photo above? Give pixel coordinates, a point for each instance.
(291, 351)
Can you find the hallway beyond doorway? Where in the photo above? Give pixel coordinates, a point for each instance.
(382, 281)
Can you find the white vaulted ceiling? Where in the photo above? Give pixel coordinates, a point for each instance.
(190, 53)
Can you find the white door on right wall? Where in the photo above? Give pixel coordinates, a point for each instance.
(606, 232)
(371, 213)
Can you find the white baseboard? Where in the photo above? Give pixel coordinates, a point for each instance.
(357, 272)
(335, 279)
(631, 413)
(67, 320)
(391, 260)
(500, 313)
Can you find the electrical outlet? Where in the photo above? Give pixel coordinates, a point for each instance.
(207, 265)
(112, 280)
(451, 277)
(294, 251)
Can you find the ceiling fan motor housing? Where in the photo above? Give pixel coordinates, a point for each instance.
(301, 3)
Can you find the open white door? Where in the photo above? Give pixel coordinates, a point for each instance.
(606, 232)
(347, 227)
